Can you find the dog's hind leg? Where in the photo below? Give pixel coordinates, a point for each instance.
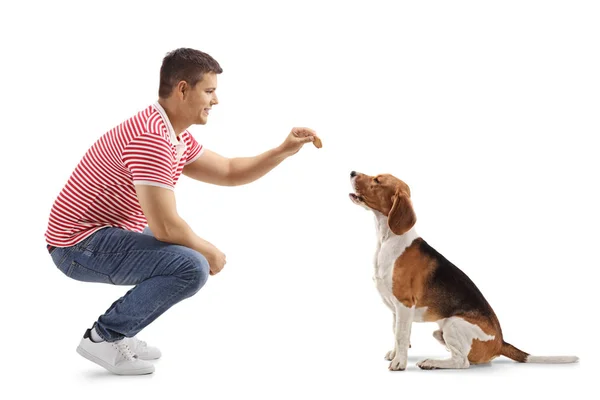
(439, 336)
(458, 336)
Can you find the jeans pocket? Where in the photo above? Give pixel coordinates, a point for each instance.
(80, 273)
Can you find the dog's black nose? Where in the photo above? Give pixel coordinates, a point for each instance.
(352, 174)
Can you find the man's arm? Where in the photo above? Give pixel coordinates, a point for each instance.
(213, 168)
(210, 167)
(158, 205)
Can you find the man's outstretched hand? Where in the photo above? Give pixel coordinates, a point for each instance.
(297, 138)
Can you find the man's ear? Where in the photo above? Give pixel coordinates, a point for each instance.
(402, 216)
(182, 89)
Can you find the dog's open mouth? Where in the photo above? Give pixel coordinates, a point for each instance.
(356, 198)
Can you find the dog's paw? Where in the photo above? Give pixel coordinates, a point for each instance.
(398, 364)
(427, 364)
(390, 355)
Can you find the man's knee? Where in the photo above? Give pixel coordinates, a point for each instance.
(195, 272)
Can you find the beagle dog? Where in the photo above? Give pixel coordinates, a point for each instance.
(419, 285)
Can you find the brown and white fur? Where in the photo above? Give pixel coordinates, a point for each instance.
(419, 285)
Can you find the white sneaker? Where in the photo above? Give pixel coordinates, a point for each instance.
(116, 357)
(142, 350)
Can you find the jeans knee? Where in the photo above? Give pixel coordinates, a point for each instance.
(196, 272)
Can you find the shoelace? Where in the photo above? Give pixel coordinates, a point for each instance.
(124, 349)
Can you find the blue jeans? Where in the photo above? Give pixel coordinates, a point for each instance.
(163, 275)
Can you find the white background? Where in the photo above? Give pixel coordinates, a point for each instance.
(488, 110)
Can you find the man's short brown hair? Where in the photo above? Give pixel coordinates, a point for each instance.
(185, 65)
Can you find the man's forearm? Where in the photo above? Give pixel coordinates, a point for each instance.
(179, 232)
(244, 170)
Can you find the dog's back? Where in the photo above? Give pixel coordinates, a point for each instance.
(452, 291)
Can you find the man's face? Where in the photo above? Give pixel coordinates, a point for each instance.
(201, 98)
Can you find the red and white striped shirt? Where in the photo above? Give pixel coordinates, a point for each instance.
(143, 150)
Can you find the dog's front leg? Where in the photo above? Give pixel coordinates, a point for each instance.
(392, 353)
(404, 318)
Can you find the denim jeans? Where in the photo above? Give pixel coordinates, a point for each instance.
(163, 275)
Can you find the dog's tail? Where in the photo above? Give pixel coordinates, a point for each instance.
(510, 351)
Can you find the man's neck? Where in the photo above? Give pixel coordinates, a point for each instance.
(178, 124)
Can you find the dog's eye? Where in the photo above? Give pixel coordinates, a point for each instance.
(376, 180)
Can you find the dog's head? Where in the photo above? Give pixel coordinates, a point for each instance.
(386, 194)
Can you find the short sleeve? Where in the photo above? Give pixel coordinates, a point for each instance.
(194, 149)
(149, 158)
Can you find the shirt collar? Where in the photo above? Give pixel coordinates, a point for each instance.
(174, 140)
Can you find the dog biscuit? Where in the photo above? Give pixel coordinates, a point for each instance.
(317, 143)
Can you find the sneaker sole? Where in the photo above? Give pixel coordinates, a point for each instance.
(142, 371)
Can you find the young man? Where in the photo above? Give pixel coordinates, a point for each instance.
(97, 228)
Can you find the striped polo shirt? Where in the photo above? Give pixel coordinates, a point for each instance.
(100, 192)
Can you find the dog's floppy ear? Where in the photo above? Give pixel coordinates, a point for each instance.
(402, 216)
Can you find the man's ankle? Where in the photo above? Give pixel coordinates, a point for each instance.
(94, 336)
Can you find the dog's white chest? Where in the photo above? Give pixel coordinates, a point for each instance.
(384, 268)
(386, 255)
(389, 248)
